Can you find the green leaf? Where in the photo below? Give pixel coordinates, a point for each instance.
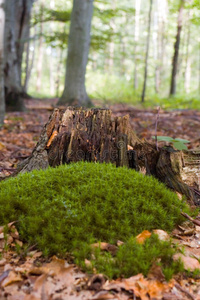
(179, 146)
(182, 141)
(163, 138)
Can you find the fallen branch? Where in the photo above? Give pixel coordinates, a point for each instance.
(196, 222)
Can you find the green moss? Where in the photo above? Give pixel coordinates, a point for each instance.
(61, 208)
(132, 258)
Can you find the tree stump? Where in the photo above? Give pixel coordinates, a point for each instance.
(77, 134)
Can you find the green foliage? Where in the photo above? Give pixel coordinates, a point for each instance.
(132, 258)
(112, 89)
(177, 143)
(62, 208)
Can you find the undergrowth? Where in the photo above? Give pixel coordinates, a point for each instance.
(67, 208)
(131, 258)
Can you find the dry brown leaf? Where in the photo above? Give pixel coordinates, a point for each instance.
(140, 286)
(11, 278)
(155, 272)
(96, 282)
(188, 262)
(18, 242)
(140, 238)
(106, 247)
(120, 243)
(88, 263)
(162, 235)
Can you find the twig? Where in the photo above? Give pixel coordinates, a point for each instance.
(196, 222)
(156, 126)
(178, 286)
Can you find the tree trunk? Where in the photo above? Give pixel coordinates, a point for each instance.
(156, 49)
(188, 59)
(2, 96)
(136, 40)
(93, 135)
(16, 34)
(147, 52)
(176, 50)
(40, 51)
(78, 50)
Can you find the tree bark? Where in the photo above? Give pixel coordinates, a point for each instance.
(40, 51)
(147, 52)
(176, 50)
(16, 34)
(78, 49)
(2, 96)
(188, 60)
(136, 40)
(93, 135)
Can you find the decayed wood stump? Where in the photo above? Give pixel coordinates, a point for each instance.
(93, 135)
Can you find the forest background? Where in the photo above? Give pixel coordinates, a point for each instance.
(134, 45)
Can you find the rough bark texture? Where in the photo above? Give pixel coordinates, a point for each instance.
(78, 49)
(176, 49)
(93, 135)
(16, 34)
(2, 96)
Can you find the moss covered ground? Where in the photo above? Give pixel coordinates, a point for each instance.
(65, 209)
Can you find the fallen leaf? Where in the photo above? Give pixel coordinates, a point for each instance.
(155, 272)
(140, 238)
(2, 262)
(18, 242)
(106, 247)
(189, 263)
(11, 278)
(96, 282)
(162, 235)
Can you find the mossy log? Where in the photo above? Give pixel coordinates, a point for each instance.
(93, 135)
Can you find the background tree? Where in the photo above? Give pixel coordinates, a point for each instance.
(176, 49)
(115, 53)
(2, 97)
(16, 33)
(147, 52)
(78, 49)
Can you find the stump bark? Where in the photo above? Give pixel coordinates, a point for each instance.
(77, 134)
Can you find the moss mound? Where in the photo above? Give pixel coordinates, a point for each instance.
(60, 208)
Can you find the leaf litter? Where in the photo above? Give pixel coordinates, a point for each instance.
(29, 276)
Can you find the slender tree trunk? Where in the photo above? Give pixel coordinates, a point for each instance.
(16, 34)
(136, 39)
(30, 58)
(2, 96)
(147, 52)
(25, 85)
(188, 60)
(51, 75)
(40, 50)
(156, 49)
(199, 67)
(60, 62)
(112, 44)
(78, 49)
(176, 50)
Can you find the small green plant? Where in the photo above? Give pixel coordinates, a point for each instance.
(60, 209)
(179, 144)
(132, 258)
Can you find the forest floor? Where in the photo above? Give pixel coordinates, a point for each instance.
(18, 137)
